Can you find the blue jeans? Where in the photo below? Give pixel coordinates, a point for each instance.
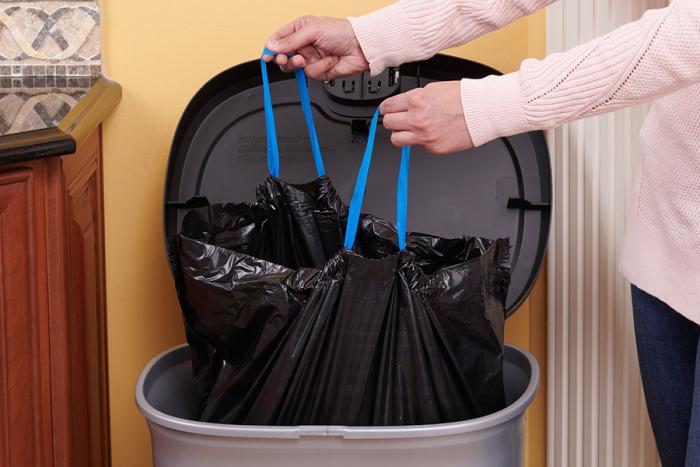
(669, 360)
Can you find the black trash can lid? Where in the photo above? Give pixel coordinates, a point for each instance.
(501, 189)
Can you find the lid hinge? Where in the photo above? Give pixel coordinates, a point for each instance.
(521, 203)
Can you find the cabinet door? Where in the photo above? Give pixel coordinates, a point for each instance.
(25, 397)
(53, 362)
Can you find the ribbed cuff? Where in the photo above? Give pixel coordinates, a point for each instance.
(493, 107)
(385, 38)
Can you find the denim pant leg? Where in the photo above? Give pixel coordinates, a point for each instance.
(693, 456)
(667, 345)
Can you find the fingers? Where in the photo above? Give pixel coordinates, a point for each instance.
(307, 35)
(397, 121)
(321, 68)
(402, 119)
(281, 59)
(290, 63)
(310, 54)
(286, 63)
(294, 62)
(286, 30)
(399, 103)
(404, 138)
(291, 38)
(267, 58)
(273, 41)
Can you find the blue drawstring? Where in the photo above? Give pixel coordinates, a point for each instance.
(402, 196)
(361, 183)
(273, 157)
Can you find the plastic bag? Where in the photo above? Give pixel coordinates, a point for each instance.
(289, 328)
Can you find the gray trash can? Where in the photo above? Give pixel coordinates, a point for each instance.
(165, 395)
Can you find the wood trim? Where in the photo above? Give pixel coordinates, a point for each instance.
(87, 301)
(84, 119)
(78, 319)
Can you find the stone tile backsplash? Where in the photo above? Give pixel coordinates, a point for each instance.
(49, 58)
(36, 108)
(41, 40)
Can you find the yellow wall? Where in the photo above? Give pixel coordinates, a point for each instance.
(161, 52)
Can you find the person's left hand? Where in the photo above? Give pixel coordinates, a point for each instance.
(431, 116)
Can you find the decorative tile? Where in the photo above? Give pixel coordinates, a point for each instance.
(49, 58)
(48, 70)
(34, 109)
(46, 35)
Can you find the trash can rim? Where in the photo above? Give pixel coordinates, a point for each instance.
(501, 417)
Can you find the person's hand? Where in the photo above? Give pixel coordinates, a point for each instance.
(325, 47)
(431, 116)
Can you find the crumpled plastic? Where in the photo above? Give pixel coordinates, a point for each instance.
(289, 328)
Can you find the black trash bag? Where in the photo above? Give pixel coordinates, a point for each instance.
(361, 342)
(293, 226)
(377, 336)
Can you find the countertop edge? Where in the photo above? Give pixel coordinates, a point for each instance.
(36, 144)
(70, 133)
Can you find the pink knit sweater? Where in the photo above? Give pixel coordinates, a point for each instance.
(657, 57)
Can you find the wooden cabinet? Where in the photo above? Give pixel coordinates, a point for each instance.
(53, 363)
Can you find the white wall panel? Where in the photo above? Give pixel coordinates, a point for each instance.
(596, 411)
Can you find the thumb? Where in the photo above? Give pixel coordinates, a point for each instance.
(295, 41)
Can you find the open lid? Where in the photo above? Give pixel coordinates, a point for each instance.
(500, 189)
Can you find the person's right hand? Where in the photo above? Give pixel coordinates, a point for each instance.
(325, 47)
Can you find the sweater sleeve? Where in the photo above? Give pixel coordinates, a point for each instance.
(411, 30)
(649, 58)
